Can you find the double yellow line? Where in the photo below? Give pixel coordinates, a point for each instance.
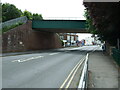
(67, 82)
(70, 77)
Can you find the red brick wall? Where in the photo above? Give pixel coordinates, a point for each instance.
(23, 38)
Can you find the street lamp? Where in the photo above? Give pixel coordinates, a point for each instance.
(70, 39)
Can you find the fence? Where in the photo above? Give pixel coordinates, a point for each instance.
(84, 77)
(14, 21)
(116, 55)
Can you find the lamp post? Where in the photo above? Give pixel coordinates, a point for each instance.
(70, 39)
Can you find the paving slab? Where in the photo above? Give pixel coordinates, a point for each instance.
(103, 71)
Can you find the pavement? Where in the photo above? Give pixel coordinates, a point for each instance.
(44, 69)
(103, 71)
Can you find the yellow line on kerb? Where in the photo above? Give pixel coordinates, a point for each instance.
(74, 74)
(74, 69)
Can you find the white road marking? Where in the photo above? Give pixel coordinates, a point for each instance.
(72, 72)
(53, 53)
(95, 49)
(16, 60)
(67, 51)
(28, 59)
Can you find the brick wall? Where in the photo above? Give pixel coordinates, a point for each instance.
(23, 38)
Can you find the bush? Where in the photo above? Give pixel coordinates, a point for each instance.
(7, 28)
(62, 42)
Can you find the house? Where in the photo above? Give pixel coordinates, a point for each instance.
(69, 39)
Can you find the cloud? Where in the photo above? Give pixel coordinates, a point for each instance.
(51, 8)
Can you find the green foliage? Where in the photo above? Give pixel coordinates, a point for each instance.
(27, 14)
(92, 28)
(7, 28)
(0, 12)
(62, 42)
(89, 23)
(107, 29)
(9, 11)
(116, 55)
(34, 16)
(37, 16)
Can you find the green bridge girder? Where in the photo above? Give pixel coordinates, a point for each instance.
(60, 25)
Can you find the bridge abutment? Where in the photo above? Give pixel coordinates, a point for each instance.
(23, 38)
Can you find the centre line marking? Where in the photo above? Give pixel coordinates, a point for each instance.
(53, 53)
(16, 60)
(28, 59)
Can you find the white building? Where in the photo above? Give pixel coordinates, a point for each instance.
(69, 39)
(89, 41)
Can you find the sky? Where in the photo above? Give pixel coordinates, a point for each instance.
(53, 9)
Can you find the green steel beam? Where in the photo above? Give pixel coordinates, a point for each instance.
(68, 24)
(57, 25)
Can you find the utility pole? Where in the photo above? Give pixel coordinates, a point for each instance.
(70, 39)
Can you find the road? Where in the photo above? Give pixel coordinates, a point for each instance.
(47, 69)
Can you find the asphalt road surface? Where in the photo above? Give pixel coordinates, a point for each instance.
(47, 69)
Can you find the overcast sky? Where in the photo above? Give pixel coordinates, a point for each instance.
(51, 8)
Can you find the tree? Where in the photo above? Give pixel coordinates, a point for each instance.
(106, 24)
(36, 16)
(89, 23)
(9, 11)
(27, 14)
(0, 12)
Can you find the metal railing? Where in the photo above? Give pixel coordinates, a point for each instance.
(84, 76)
(116, 55)
(13, 22)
